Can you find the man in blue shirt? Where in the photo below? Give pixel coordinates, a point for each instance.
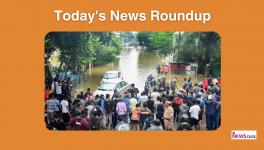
(210, 112)
(102, 103)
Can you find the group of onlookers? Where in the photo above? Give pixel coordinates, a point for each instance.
(163, 106)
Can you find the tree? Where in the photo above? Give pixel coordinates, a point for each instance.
(193, 47)
(201, 47)
(49, 49)
(162, 42)
(143, 39)
(78, 49)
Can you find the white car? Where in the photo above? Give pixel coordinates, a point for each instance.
(112, 77)
(108, 88)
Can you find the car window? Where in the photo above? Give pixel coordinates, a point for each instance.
(119, 85)
(123, 83)
(110, 75)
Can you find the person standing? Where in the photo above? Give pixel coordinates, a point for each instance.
(210, 112)
(144, 114)
(109, 111)
(174, 84)
(64, 104)
(121, 109)
(96, 101)
(133, 102)
(58, 88)
(127, 101)
(143, 98)
(150, 105)
(194, 115)
(52, 107)
(184, 110)
(218, 115)
(160, 111)
(133, 90)
(150, 78)
(88, 92)
(135, 117)
(168, 116)
(158, 69)
(154, 96)
(102, 103)
(176, 103)
(166, 70)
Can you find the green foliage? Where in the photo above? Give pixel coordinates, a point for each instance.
(192, 47)
(105, 55)
(78, 49)
(143, 39)
(202, 48)
(162, 42)
(49, 49)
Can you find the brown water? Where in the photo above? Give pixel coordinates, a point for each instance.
(135, 65)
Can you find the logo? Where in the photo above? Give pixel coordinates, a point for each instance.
(244, 135)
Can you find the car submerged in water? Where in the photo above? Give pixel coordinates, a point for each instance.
(112, 77)
(109, 87)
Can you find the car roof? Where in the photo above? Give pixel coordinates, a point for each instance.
(112, 71)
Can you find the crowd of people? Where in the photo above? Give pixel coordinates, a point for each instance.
(162, 105)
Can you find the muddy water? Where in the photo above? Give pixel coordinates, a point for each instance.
(135, 65)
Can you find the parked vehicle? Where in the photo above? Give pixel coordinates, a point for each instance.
(109, 87)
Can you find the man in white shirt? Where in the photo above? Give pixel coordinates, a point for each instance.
(64, 104)
(58, 90)
(154, 97)
(194, 113)
(143, 98)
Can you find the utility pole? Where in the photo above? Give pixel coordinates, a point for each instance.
(178, 58)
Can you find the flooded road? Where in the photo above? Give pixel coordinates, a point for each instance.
(135, 65)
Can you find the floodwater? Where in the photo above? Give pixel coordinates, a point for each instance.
(135, 66)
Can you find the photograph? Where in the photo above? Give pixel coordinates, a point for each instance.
(132, 81)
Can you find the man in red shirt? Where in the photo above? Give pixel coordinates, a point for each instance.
(177, 101)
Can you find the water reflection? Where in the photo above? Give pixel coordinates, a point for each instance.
(135, 66)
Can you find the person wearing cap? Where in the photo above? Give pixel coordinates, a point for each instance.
(168, 116)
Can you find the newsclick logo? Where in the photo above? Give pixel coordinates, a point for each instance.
(243, 134)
